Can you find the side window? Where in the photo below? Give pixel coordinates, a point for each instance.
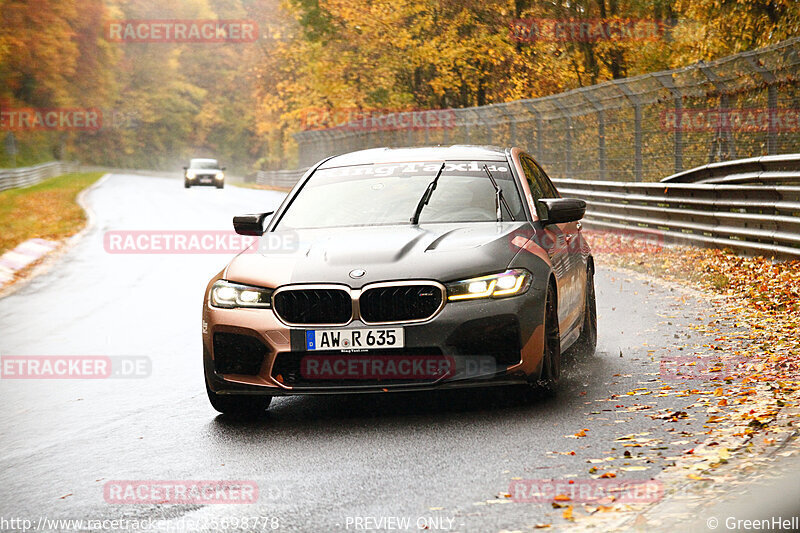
(534, 183)
(547, 185)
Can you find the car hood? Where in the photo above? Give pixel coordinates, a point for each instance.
(442, 252)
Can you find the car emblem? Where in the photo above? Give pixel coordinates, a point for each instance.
(357, 273)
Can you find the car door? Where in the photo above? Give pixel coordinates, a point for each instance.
(576, 261)
(552, 239)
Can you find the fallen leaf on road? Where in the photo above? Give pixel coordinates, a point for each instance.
(567, 514)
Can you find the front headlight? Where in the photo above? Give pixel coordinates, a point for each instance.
(509, 283)
(220, 175)
(191, 174)
(229, 295)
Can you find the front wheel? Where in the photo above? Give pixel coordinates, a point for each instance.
(186, 185)
(587, 342)
(239, 405)
(551, 359)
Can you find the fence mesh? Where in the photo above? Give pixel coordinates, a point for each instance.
(637, 129)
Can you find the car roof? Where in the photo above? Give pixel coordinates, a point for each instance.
(204, 159)
(456, 152)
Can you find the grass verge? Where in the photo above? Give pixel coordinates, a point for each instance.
(47, 210)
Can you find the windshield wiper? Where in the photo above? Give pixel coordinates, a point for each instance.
(426, 197)
(498, 197)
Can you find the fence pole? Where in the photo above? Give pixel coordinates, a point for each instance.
(539, 153)
(772, 102)
(567, 139)
(601, 131)
(677, 98)
(637, 142)
(486, 124)
(512, 124)
(637, 127)
(724, 104)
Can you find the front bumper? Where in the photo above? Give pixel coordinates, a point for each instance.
(204, 179)
(485, 342)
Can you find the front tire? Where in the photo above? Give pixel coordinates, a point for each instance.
(586, 344)
(186, 185)
(239, 405)
(551, 359)
(546, 383)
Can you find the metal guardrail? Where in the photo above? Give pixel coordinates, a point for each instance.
(768, 170)
(756, 219)
(11, 178)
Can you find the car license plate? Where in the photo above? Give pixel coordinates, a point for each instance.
(354, 339)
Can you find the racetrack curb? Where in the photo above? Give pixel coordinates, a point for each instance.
(46, 260)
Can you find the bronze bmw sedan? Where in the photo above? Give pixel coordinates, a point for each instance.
(402, 269)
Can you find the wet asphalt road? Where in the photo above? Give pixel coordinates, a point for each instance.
(321, 463)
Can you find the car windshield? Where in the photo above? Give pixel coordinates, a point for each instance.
(388, 194)
(205, 164)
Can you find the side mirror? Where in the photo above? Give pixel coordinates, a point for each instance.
(561, 210)
(250, 224)
(222, 168)
(185, 168)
